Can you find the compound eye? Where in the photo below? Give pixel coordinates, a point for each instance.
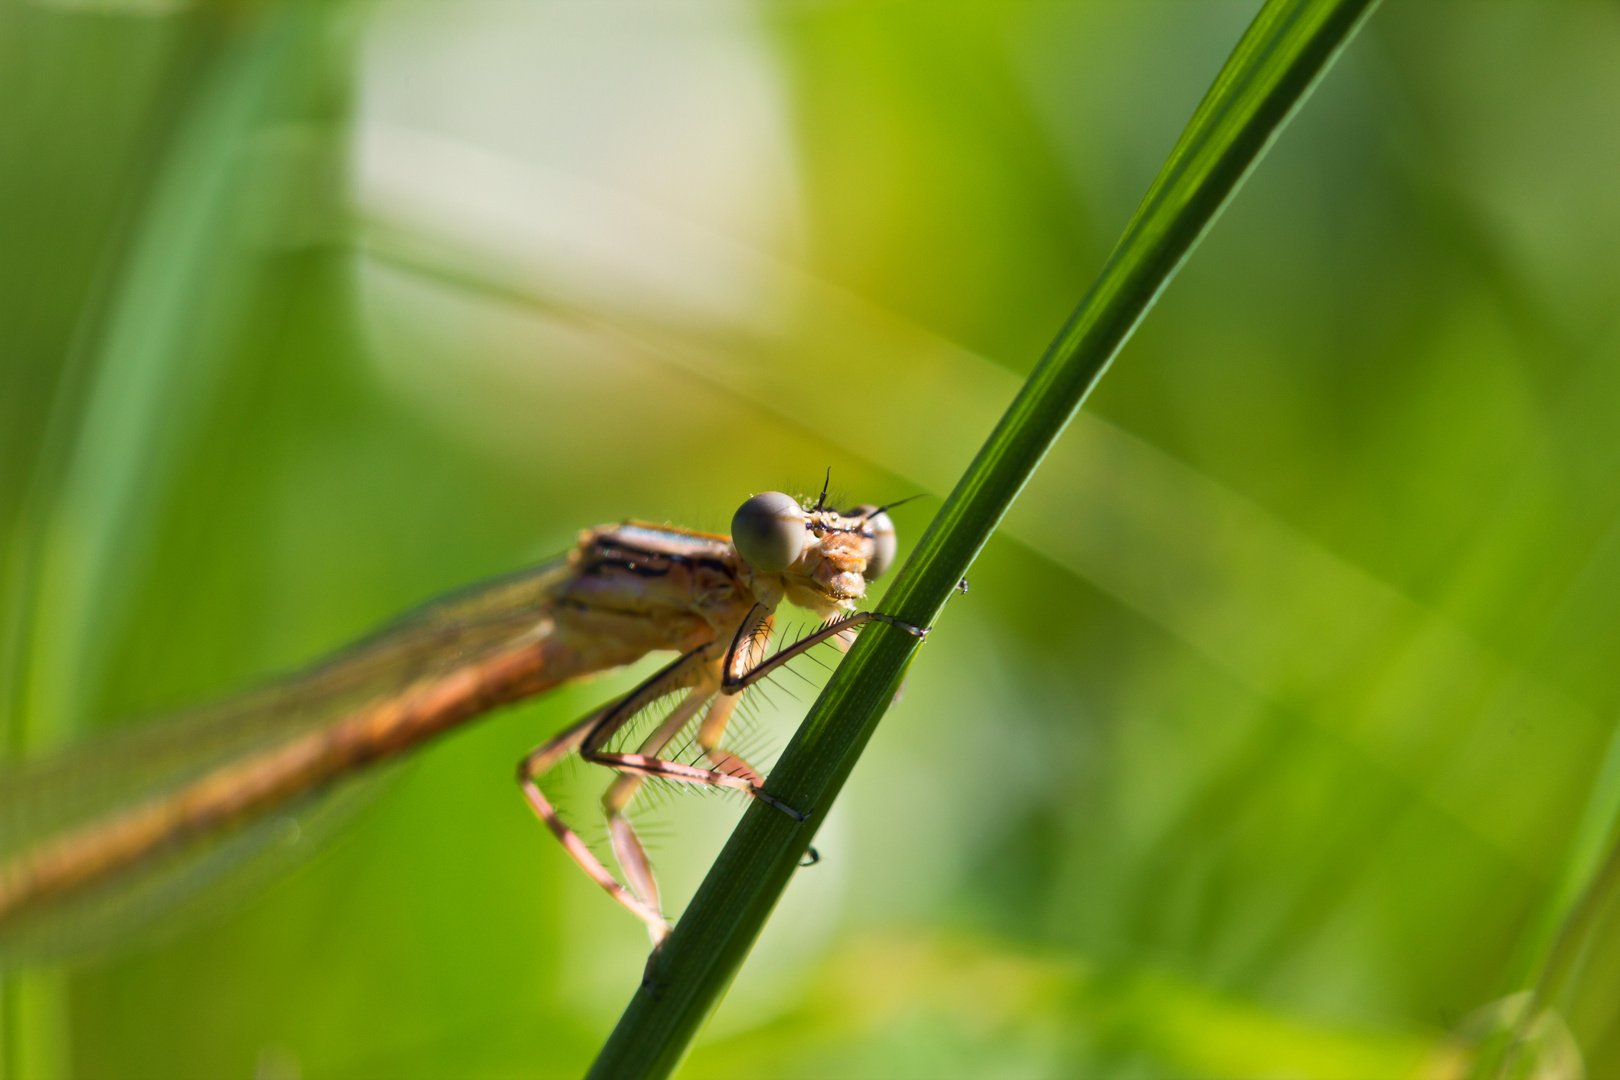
(884, 544)
(768, 531)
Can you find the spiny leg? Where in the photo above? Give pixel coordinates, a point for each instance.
(689, 774)
(749, 642)
(692, 669)
(647, 763)
(742, 668)
(745, 664)
(695, 671)
(748, 648)
(710, 734)
(540, 761)
(627, 847)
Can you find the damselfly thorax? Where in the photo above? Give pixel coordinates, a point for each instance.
(623, 592)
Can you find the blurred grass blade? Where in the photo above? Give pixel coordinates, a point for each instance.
(1574, 949)
(179, 299)
(155, 349)
(1592, 850)
(1282, 54)
(1181, 1026)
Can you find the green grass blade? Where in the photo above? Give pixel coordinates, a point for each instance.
(1284, 51)
(1570, 956)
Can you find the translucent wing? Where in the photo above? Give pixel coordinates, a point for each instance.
(92, 782)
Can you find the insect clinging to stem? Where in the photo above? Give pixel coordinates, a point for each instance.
(622, 592)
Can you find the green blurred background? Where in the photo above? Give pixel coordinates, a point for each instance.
(1275, 732)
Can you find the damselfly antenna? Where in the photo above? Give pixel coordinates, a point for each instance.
(821, 503)
(876, 510)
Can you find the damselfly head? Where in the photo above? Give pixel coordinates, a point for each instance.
(769, 531)
(875, 524)
(834, 552)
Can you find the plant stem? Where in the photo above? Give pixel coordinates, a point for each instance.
(1271, 71)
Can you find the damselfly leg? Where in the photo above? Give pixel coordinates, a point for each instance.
(710, 675)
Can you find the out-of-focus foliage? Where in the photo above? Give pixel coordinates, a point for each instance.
(1274, 735)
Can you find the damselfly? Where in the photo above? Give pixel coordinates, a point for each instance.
(624, 591)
